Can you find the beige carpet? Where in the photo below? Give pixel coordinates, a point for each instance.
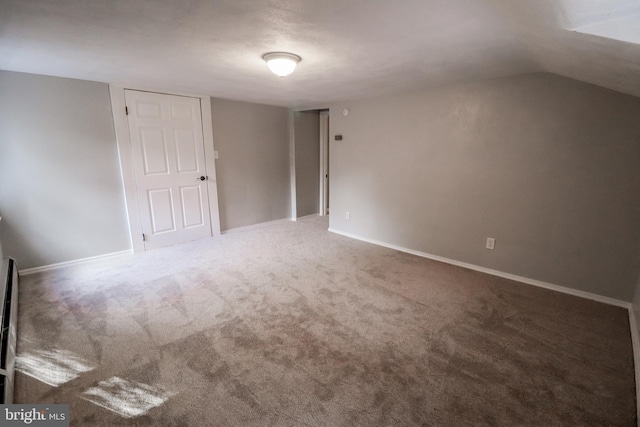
(292, 325)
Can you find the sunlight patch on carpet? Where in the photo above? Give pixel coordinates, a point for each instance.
(53, 367)
(126, 398)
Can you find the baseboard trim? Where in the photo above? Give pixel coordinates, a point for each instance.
(259, 225)
(534, 282)
(34, 270)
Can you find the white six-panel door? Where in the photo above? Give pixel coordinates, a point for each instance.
(169, 162)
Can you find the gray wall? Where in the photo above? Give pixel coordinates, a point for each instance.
(61, 194)
(546, 165)
(252, 141)
(307, 157)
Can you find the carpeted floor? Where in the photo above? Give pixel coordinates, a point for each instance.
(293, 325)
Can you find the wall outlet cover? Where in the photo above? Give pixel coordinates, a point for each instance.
(491, 243)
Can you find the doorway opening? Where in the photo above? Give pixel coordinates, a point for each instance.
(310, 165)
(324, 163)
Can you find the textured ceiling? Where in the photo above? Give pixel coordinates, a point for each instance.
(350, 48)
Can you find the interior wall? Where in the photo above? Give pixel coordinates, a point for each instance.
(61, 195)
(546, 165)
(252, 141)
(307, 159)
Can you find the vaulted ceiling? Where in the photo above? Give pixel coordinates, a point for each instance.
(350, 48)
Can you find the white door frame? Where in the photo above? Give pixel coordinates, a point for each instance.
(123, 140)
(292, 165)
(324, 162)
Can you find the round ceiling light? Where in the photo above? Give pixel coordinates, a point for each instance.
(281, 63)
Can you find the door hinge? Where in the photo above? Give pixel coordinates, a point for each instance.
(126, 110)
(144, 238)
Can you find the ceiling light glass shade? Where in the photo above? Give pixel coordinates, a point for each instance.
(281, 63)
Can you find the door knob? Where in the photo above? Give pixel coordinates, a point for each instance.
(202, 178)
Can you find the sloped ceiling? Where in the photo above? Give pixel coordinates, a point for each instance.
(350, 48)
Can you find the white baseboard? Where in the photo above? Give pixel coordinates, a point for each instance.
(34, 270)
(259, 225)
(551, 286)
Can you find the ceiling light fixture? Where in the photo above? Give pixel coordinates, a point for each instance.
(281, 63)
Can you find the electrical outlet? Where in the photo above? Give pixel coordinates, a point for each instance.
(491, 243)
(347, 215)
(215, 154)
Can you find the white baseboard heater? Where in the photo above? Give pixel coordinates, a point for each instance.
(8, 327)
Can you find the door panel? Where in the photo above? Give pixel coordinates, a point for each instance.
(191, 196)
(154, 151)
(147, 109)
(181, 112)
(161, 207)
(168, 155)
(186, 150)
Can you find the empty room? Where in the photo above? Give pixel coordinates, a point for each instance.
(319, 213)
